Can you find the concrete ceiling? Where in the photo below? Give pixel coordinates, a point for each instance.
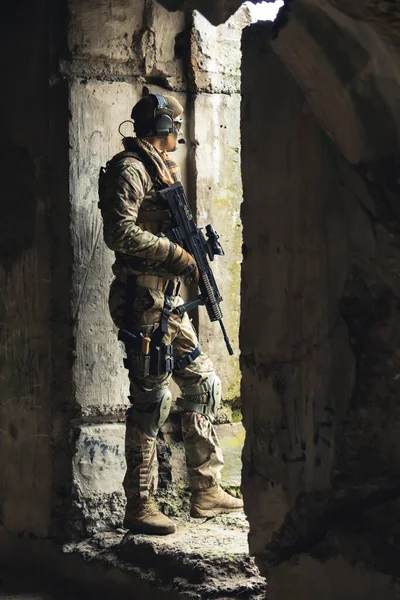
(216, 11)
(384, 14)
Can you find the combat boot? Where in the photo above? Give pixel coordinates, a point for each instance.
(213, 501)
(145, 517)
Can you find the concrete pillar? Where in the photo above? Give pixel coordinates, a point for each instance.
(319, 322)
(215, 80)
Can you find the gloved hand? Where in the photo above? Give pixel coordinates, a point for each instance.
(182, 263)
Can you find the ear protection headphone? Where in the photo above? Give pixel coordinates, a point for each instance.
(163, 122)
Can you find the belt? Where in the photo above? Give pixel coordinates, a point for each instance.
(153, 282)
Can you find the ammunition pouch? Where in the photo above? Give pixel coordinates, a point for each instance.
(204, 398)
(144, 357)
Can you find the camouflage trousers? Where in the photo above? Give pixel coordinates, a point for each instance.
(203, 453)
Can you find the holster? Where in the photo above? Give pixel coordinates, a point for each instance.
(157, 361)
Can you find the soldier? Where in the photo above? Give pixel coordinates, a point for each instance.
(148, 273)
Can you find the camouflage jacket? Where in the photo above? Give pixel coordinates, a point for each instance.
(133, 219)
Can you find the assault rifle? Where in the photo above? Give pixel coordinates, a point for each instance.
(185, 233)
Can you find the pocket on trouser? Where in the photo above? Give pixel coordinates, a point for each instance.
(141, 477)
(203, 452)
(146, 310)
(184, 343)
(142, 311)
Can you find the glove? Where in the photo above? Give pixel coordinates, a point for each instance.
(182, 263)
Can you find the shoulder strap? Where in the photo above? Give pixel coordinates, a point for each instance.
(112, 165)
(119, 158)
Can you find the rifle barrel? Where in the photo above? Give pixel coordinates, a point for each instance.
(227, 340)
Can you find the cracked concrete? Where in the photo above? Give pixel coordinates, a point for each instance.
(203, 559)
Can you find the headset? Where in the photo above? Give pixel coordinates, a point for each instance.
(163, 117)
(163, 120)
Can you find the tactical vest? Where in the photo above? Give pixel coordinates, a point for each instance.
(113, 167)
(152, 220)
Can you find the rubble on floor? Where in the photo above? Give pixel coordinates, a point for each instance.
(203, 559)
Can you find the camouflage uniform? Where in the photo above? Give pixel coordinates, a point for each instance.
(127, 202)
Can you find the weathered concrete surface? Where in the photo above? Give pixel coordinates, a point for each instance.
(231, 437)
(370, 78)
(97, 108)
(320, 291)
(215, 53)
(203, 559)
(214, 76)
(219, 195)
(139, 37)
(104, 30)
(94, 570)
(98, 471)
(166, 28)
(31, 596)
(25, 281)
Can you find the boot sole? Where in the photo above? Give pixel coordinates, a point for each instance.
(149, 530)
(198, 513)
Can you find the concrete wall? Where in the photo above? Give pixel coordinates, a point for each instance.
(25, 279)
(319, 329)
(215, 79)
(108, 43)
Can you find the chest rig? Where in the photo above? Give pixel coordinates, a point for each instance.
(115, 167)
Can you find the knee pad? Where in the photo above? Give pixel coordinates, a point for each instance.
(151, 409)
(204, 398)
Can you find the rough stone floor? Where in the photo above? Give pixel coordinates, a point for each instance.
(203, 559)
